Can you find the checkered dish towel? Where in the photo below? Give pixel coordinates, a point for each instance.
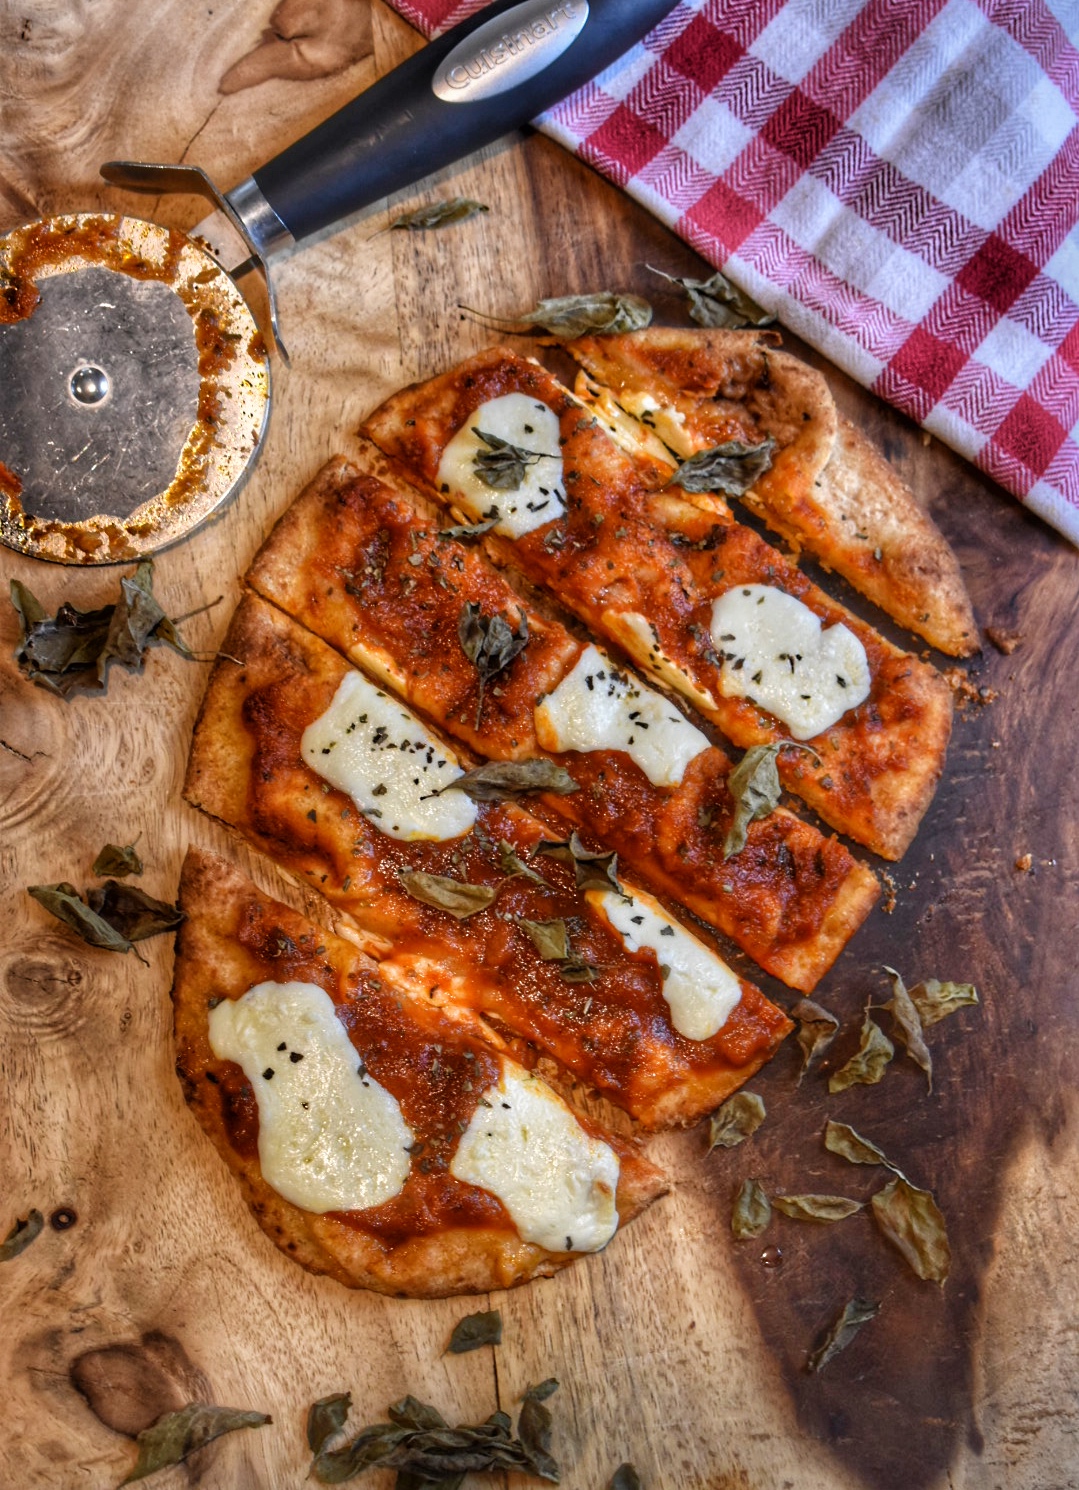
(897, 180)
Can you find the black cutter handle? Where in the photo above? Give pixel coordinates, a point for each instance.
(400, 129)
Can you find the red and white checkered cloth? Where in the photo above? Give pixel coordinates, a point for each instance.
(898, 180)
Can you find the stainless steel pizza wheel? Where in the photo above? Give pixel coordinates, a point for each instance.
(134, 379)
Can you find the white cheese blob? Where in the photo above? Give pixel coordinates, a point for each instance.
(776, 653)
(699, 987)
(525, 1146)
(370, 746)
(667, 422)
(330, 1138)
(533, 428)
(596, 707)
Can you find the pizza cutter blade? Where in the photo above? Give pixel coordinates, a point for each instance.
(135, 381)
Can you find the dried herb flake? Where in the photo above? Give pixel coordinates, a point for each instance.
(717, 303)
(438, 214)
(751, 1213)
(816, 1031)
(910, 1219)
(738, 1119)
(842, 1331)
(445, 893)
(935, 1000)
(117, 861)
(825, 1209)
(754, 786)
(177, 1434)
(325, 1418)
(476, 1330)
(498, 780)
(868, 1063)
(731, 468)
(489, 644)
(569, 316)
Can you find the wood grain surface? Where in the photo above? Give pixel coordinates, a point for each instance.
(677, 1349)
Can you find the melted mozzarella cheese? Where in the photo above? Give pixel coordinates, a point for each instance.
(330, 1138)
(699, 987)
(776, 653)
(525, 1146)
(533, 428)
(368, 745)
(667, 422)
(596, 707)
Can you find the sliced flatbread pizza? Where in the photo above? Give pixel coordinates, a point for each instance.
(396, 591)
(697, 599)
(827, 488)
(484, 907)
(377, 1138)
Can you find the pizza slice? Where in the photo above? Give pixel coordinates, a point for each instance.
(827, 489)
(400, 594)
(490, 911)
(697, 599)
(376, 1137)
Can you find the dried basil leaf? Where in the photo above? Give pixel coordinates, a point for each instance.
(498, 780)
(551, 941)
(731, 468)
(371, 1447)
(569, 316)
(550, 938)
(823, 1208)
(935, 1000)
(131, 912)
(443, 892)
(410, 1412)
(177, 1434)
(754, 786)
(594, 871)
(21, 1235)
(439, 214)
(71, 651)
(65, 903)
(534, 1428)
(842, 1331)
(625, 1477)
(816, 1031)
(868, 1063)
(717, 303)
(117, 861)
(841, 1139)
(512, 865)
(911, 1220)
(502, 465)
(469, 532)
(752, 1210)
(489, 644)
(908, 1024)
(475, 1330)
(543, 1389)
(738, 1119)
(325, 1418)
(425, 1451)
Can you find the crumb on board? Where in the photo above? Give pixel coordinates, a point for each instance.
(1004, 639)
(890, 896)
(966, 691)
(1024, 863)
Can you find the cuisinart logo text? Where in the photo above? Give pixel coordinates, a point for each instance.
(509, 50)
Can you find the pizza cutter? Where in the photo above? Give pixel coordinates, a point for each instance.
(135, 379)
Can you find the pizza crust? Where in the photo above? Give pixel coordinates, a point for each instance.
(420, 1255)
(829, 490)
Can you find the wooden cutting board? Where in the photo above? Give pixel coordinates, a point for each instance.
(676, 1349)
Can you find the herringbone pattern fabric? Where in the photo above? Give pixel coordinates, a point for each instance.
(898, 180)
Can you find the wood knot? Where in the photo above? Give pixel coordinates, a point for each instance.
(130, 1386)
(45, 996)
